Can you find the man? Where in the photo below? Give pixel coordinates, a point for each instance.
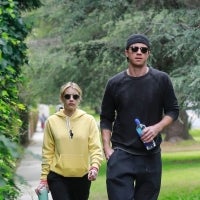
(133, 172)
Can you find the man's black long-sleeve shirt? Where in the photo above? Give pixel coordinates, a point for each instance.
(147, 98)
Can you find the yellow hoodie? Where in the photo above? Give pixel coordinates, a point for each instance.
(71, 156)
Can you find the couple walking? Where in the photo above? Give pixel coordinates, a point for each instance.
(72, 153)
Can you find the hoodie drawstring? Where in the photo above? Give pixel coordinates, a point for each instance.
(69, 128)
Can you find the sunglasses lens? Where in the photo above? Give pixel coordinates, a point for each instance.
(142, 49)
(134, 49)
(68, 96)
(75, 96)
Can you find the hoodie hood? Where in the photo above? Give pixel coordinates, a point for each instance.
(78, 113)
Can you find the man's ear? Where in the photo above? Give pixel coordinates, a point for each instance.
(126, 53)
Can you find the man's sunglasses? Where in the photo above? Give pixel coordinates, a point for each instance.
(68, 96)
(142, 49)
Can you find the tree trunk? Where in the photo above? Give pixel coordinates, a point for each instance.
(178, 130)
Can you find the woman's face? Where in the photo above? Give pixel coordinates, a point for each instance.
(71, 99)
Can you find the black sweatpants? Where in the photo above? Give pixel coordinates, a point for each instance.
(133, 177)
(68, 188)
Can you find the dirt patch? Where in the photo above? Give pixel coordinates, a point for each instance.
(176, 146)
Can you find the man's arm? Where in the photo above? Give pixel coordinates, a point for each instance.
(106, 136)
(151, 132)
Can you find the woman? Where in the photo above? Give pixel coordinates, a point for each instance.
(71, 152)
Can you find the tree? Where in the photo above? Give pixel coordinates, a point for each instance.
(83, 42)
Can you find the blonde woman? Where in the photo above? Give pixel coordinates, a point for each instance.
(71, 152)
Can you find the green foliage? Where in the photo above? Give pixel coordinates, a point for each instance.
(188, 80)
(13, 30)
(13, 55)
(9, 153)
(29, 4)
(84, 42)
(175, 49)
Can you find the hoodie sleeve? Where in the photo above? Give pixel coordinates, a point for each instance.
(48, 149)
(95, 148)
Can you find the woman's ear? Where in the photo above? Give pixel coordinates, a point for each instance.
(61, 99)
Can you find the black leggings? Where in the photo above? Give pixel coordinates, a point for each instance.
(68, 188)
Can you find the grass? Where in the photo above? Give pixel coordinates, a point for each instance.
(181, 175)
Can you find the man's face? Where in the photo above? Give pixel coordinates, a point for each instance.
(137, 54)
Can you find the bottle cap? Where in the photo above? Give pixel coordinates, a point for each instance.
(137, 121)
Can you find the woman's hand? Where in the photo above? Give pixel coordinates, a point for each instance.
(43, 184)
(93, 173)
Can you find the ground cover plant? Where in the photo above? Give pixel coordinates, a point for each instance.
(181, 177)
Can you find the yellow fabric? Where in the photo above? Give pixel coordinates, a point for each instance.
(71, 157)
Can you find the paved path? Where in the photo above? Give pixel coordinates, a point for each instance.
(30, 166)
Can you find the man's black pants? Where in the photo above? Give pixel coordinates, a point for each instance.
(133, 177)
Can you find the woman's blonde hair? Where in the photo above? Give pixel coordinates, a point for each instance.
(72, 85)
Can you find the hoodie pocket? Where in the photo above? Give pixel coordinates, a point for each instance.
(72, 165)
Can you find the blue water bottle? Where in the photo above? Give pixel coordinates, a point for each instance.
(139, 129)
(43, 194)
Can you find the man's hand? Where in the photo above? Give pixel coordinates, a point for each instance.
(150, 132)
(108, 152)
